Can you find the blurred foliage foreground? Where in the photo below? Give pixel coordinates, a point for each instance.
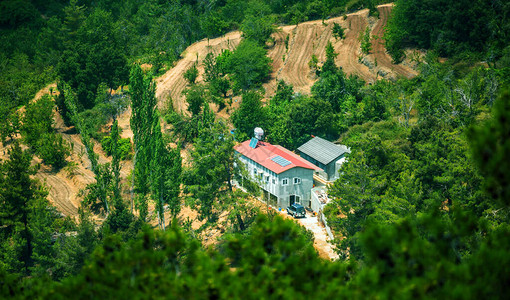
(411, 258)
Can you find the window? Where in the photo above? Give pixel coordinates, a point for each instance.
(274, 181)
(267, 178)
(285, 181)
(297, 180)
(255, 171)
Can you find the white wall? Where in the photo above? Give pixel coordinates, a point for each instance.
(274, 184)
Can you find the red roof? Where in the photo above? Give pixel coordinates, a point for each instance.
(265, 152)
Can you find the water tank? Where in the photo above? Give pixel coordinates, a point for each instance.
(259, 133)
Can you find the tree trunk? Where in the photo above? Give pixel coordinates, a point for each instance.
(240, 221)
(28, 253)
(133, 184)
(162, 217)
(225, 164)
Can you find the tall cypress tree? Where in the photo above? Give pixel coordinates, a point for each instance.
(165, 173)
(17, 192)
(156, 169)
(143, 105)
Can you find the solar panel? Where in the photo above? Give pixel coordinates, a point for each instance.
(253, 143)
(281, 161)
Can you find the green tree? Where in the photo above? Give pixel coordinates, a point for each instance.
(490, 149)
(338, 31)
(248, 65)
(38, 132)
(277, 128)
(11, 124)
(209, 179)
(143, 106)
(356, 196)
(196, 98)
(17, 195)
(72, 107)
(257, 28)
(213, 25)
(42, 222)
(74, 17)
(71, 252)
(191, 74)
(364, 39)
(165, 174)
(214, 76)
(94, 57)
(99, 194)
(116, 156)
(38, 120)
(249, 115)
(313, 63)
(329, 66)
(53, 149)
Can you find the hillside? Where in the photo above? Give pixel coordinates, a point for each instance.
(305, 39)
(291, 64)
(158, 189)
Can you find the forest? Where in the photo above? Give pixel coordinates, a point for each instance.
(420, 209)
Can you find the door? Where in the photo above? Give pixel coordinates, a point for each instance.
(292, 199)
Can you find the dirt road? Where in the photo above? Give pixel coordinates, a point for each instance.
(172, 83)
(64, 188)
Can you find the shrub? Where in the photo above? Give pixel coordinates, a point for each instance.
(191, 74)
(249, 65)
(37, 121)
(338, 31)
(53, 150)
(124, 147)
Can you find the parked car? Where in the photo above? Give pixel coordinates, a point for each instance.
(296, 210)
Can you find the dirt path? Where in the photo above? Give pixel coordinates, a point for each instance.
(61, 194)
(46, 90)
(172, 83)
(321, 240)
(64, 188)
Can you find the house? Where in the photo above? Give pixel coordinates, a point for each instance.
(324, 154)
(285, 177)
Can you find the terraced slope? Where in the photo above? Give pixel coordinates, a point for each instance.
(379, 52)
(290, 62)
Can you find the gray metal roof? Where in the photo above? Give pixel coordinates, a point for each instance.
(323, 151)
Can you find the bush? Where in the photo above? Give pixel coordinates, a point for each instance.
(37, 121)
(338, 31)
(53, 150)
(249, 65)
(124, 147)
(191, 74)
(92, 121)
